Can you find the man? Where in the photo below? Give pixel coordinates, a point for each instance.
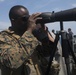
(70, 36)
(70, 33)
(17, 44)
(45, 50)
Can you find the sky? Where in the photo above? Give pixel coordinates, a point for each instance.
(38, 6)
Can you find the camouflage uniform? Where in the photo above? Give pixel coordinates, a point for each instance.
(15, 50)
(44, 55)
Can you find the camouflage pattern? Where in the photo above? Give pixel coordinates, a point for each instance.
(44, 56)
(15, 49)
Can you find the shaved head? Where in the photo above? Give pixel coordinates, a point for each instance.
(19, 18)
(18, 11)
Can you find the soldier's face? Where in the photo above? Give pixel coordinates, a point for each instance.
(21, 21)
(21, 24)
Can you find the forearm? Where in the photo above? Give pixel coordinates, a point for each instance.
(50, 38)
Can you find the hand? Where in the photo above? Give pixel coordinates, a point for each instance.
(32, 21)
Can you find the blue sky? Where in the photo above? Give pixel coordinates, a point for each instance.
(38, 6)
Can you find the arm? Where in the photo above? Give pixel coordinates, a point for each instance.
(50, 38)
(13, 51)
(49, 35)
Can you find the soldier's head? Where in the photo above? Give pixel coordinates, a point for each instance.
(69, 29)
(19, 15)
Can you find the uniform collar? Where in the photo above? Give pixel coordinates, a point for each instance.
(11, 32)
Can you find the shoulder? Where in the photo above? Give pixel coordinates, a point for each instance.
(3, 35)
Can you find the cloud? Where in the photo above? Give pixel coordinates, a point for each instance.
(57, 9)
(2, 0)
(4, 25)
(43, 4)
(74, 5)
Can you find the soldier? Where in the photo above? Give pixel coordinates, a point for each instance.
(70, 36)
(17, 44)
(45, 50)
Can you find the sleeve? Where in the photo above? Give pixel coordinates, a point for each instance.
(29, 42)
(14, 53)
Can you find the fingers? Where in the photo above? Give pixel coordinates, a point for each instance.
(35, 15)
(38, 18)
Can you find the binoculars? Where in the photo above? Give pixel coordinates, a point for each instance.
(66, 15)
(48, 17)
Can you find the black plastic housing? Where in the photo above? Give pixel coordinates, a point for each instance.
(66, 15)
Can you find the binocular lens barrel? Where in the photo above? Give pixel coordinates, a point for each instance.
(66, 15)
